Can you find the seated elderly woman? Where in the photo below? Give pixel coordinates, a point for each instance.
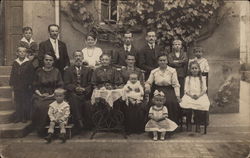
(47, 79)
(164, 78)
(106, 76)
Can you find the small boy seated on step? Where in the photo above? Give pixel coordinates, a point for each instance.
(58, 113)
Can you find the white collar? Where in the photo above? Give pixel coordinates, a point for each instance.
(52, 40)
(21, 62)
(151, 44)
(25, 40)
(136, 83)
(127, 47)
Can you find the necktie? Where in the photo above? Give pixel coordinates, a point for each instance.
(56, 49)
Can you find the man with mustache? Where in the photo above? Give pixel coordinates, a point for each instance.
(56, 46)
(119, 55)
(77, 79)
(148, 55)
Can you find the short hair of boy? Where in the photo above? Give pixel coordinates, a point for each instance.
(27, 28)
(59, 91)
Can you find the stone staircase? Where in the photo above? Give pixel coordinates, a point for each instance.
(7, 109)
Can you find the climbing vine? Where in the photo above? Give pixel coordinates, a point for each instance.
(182, 19)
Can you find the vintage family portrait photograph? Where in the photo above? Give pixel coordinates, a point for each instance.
(124, 79)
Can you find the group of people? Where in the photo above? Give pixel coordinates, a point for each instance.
(159, 85)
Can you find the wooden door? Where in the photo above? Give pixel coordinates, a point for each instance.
(13, 18)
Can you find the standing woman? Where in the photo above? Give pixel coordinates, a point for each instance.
(47, 79)
(164, 78)
(91, 53)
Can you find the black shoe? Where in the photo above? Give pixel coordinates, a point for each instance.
(49, 138)
(63, 137)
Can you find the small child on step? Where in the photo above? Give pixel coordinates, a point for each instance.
(58, 113)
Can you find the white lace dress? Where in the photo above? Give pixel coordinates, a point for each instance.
(193, 87)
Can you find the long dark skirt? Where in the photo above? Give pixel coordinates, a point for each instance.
(135, 118)
(171, 102)
(40, 115)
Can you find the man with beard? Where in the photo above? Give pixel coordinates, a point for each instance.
(77, 82)
(148, 55)
(57, 47)
(119, 55)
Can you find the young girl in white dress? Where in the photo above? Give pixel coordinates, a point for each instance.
(158, 115)
(91, 53)
(195, 98)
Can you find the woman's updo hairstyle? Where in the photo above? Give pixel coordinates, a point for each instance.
(91, 34)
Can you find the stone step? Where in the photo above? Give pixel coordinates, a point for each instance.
(5, 70)
(4, 80)
(6, 104)
(5, 92)
(5, 116)
(15, 130)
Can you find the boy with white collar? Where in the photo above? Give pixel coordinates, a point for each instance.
(31, 46)
(21, 81)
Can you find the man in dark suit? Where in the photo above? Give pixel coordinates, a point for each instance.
(56, 46)
(77, 79)
(119, 55)
(148, 55)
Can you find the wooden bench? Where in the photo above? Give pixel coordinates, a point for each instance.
(67, 127)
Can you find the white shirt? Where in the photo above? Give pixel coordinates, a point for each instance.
(165, 78)
(54, 43)
(195, 86)
(92, 55)
(203, 64)
(127, 48)
(152, 46)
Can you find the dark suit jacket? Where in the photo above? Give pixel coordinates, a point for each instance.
(60, 63)
(71, 82)
(119, 55)
(147, 58)
(181, 66)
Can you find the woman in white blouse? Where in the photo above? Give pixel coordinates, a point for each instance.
(164, 78)
(91, 53)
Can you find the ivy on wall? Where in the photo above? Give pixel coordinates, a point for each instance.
(171, 19)
(182, 19)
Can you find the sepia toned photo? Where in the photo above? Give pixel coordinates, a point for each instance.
(124, 78)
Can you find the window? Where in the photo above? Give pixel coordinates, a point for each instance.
(110, 10)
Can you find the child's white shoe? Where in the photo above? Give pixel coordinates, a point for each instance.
(155, 138)
(162, 138)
